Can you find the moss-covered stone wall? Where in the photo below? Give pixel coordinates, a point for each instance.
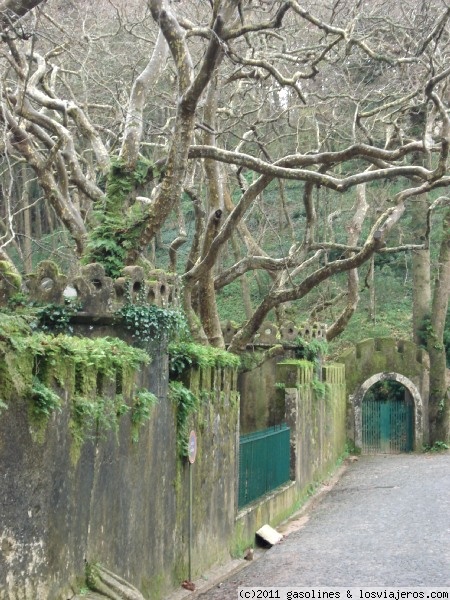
(115, 502)
(384, 356)
(214, 472)
(262, 404)
(315, 411)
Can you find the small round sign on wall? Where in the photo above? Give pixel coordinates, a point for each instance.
(192, 447)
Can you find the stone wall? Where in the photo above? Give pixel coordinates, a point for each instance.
(386, 354)
(262, 404)
(125, 505)
(316, 414)
(122, 505)
(92, 289)
(377, 359)
(286, 334)
(214, 472)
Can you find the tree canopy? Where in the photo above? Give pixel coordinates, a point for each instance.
(119, 117)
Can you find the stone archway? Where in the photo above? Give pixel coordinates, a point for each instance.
(358, 397)
(372, 360)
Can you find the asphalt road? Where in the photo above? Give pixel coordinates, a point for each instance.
(385, 523)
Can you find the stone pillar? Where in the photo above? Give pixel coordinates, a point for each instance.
(291, 397)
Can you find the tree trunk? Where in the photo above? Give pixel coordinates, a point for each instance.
(190, 89)
(245, 288)
(354, 231)
(207, 294)
(421, 271)
(132, 136)
(439, 409)
(372, 295)
(27, 250)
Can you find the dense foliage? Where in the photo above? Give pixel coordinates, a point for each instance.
(151, 323)
(187, 355)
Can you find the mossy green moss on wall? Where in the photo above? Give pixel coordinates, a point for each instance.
(34, 364)
(380, 355)
(122, 505)
(206, 401)
(315, 414)
(200, 377)
(121, 219)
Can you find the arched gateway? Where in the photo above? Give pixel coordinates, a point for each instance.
(388, 425)
(391, 424)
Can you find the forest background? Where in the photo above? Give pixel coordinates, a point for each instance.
(288, 159)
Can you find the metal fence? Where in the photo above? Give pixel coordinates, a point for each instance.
(264, 458)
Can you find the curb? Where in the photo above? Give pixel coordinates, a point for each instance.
(214, 577)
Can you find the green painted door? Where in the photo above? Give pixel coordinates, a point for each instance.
(387, 426)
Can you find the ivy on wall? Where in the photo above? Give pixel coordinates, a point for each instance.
(311, 350)
(141, 410)
(148, 322)
(55, 318)
(38, 353)
(186, 404)
(44, 401)
(184, 356)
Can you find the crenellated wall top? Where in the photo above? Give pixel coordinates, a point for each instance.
(95, 292)
(286, 334)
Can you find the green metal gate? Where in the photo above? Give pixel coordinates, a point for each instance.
(264, 462)
(387, 426)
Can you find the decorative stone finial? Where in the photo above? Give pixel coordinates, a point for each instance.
(47, 284)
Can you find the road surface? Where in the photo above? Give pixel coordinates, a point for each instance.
(385, 523)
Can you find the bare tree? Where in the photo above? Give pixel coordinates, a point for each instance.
(220, 102)
(11, 11)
